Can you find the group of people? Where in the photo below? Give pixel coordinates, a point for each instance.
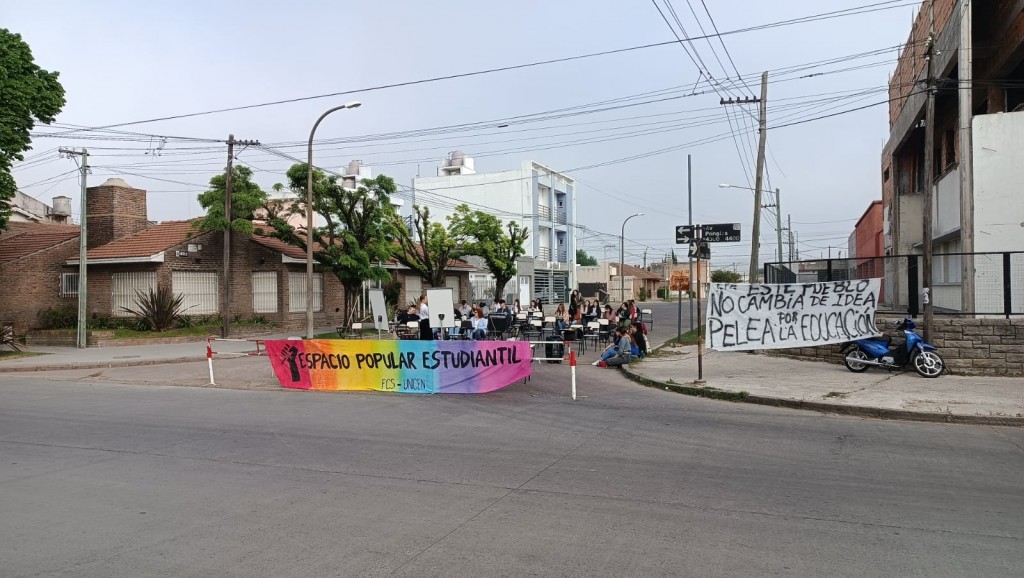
(630, 342)
(473, 321)
(472, 318)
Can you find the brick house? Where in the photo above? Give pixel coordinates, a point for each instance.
(32, 258)
(127, 254)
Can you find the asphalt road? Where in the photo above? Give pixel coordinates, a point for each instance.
(102, 477)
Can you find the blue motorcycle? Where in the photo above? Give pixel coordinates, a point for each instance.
(880, 352)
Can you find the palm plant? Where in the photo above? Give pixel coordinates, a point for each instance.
(159, 308)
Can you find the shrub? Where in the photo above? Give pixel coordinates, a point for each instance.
(63, 316)
(643, 294)
(392, 290)
(662, 292)
(158, 309)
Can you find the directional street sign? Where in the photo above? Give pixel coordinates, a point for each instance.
(721, 233)
(684, 234)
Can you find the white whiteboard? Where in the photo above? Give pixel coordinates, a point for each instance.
(440, 302)
(380, 310)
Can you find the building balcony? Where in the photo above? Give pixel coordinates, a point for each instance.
(544, 253)
(544, 212)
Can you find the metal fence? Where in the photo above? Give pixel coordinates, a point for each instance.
(998, 280)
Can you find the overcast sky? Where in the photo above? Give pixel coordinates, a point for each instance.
(125, 61)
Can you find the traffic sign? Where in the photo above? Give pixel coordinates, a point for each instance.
(721, 233)
(684, 234)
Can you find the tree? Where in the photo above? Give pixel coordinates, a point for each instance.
(582, 258)
(246, 198)
(481, 234)
(725, 276)
(358, 236)
(675, 261)
(427, 249)
(29, 94)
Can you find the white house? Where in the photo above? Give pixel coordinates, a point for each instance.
(538, 198)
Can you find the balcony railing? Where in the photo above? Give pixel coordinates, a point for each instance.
(544, 212)
(544, 253)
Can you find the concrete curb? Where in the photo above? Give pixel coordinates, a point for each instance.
(96, 365)
(853, 410)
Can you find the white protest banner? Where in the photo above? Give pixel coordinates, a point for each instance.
(743, 317)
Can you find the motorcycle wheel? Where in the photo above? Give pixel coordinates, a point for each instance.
(851, 361)
(928, 364)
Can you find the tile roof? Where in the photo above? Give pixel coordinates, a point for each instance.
(279, 246)
(297, 253)
(23, 239)
(153, 240)
(637, 272)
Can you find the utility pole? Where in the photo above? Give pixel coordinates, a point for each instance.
(789, 229)
(689, 202)
(225, 307)
(83, 286)
(929, 177)
(965, 98)
(762, 126)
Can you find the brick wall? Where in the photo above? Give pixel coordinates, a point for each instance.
(32, 284)
(114, 212)
(968, 346)
(911, 64)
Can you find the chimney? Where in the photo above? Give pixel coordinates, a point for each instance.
(114, 211)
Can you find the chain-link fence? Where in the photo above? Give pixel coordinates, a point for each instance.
(998, 280)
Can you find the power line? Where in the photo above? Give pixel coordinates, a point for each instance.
(863, 9)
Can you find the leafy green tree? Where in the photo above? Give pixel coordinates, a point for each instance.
(725, 276)
(582, 258)
(358, 237)
(675, 261)
(481, 234)
(246, 198)
(427, 249)
(28, 95)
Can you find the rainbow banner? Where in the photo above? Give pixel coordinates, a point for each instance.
(402, 366)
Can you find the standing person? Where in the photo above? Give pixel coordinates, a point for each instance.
(425, 333)
(479, 325)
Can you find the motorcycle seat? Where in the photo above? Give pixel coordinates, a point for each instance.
(886, 339)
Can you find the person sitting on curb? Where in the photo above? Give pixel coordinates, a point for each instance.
(619, 354)
(636, 332)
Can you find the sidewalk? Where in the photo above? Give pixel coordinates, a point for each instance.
(59, 358)
(832, 388)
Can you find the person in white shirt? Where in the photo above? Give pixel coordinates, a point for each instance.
(465, 310)
(425, 333)
(479, 325)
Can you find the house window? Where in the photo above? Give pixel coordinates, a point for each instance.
(199, 289)
(885, 176)
(125, 289)
(946, 267)
(452, 282)
(297, 292)
(264, 291)
(413, 289)
(69, 284)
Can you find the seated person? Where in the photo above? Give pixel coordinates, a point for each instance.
(464, 309)
(410, 314)
(618, 354)
(479, 325)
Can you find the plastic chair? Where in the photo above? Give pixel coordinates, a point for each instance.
(592, 332)
(647, 317)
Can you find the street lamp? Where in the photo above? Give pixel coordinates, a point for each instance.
(778, 227)
(622, 257)
(309, 217)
